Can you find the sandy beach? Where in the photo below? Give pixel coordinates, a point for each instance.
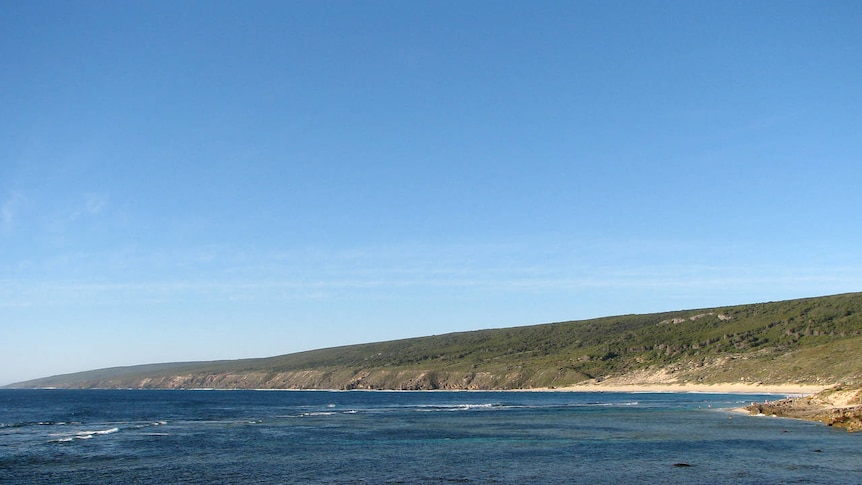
(726, 388)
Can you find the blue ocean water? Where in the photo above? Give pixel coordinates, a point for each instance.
(159, 437)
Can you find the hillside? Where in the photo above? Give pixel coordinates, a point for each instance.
(805, 341)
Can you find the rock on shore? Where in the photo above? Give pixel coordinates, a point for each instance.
(839, 406)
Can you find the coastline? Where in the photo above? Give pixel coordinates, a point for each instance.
(787, 390)
(723, 388)
(840, 406)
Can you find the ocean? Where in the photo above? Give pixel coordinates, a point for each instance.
(377, 437)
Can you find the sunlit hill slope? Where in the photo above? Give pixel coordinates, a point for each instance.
(806, 341)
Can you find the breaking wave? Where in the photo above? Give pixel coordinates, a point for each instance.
(81, 435)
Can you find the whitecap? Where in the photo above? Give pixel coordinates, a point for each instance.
(103, 431)
(455, 407)
(82, 435)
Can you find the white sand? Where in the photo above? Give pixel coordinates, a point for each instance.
(727, 388)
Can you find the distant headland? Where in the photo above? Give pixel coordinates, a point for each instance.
(797, 346)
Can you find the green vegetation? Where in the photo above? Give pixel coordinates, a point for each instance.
(805, 341)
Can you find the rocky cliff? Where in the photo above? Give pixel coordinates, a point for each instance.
(838, 406)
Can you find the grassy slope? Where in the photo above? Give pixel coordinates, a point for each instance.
(812, 340)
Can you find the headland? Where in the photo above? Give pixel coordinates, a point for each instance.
(839, 406)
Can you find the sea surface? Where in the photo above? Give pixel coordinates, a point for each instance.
(211, 437)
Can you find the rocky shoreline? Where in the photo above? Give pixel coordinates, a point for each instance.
(839, 406)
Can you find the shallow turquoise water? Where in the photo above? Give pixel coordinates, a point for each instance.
(65, 436)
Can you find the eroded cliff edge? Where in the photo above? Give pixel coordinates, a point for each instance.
(839, 406)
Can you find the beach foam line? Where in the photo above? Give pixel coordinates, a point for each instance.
(725, 388)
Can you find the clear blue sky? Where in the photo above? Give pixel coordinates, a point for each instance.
(213, 180)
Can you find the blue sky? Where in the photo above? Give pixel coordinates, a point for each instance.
(213, 180)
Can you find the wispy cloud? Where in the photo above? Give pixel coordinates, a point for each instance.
(9, 210)
(88, 204)
(405, 272)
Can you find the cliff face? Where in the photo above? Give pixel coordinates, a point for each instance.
(320, 379)
(839, 406)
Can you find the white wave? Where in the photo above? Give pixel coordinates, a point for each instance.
(97, 432)
(81, 435)
(607, 404)
(456, 407)
(479, 406)
(470, 407)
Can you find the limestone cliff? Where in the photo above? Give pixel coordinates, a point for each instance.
(838, 406)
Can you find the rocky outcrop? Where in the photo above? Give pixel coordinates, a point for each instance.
(839, 406)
